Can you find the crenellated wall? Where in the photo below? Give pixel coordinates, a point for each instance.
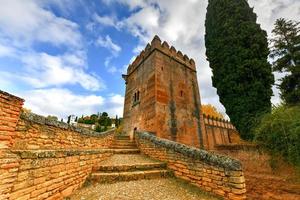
(41, 158)
(168, 102)
(214, 173)
(219, 132)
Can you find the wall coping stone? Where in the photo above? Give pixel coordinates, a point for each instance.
(200, 154)
(32, 117)
(26, 154)
(11, 96)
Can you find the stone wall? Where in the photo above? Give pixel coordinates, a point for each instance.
(37, 132)
(219, 132)
(44, 159)
(214, 173)
(169, 100)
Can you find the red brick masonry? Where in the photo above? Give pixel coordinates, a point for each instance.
(41, 158)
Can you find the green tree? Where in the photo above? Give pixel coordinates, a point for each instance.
(286, 52)
(237, 50)
(52, 117)
(278, 132)
(94, 118)
(69, 119)
(104, 114)
(117, 121)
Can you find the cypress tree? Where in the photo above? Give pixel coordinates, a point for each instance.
(237, 50)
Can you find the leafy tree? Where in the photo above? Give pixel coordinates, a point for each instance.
(104, 114)
(286, 52)
(98, 128)
(278, 132)
(26, 110)
(210, 110)
(117, 121)
(69, 119)
(237, 50)
(94, 118)
(52, 117)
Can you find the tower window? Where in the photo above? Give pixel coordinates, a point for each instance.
(181, 93)
(136, 98)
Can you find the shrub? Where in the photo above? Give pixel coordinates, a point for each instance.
(279, 133)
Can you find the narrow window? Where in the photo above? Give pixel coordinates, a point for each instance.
(134, 97)
(138, 95)
(181, 93)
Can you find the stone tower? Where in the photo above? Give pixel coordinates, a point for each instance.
(162, 95)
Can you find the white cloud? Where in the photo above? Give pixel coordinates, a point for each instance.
(114, 105)
(6, 50)
(64, 102)
(109, 44)
(105, 20)
(113, 48)
(44, 70)
(25, 22)
(181, 23)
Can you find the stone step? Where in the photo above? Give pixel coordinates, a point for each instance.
(111, 177)
(126, 151)
(123, 142)
(122, 147)
(130, 167)
(122, 136)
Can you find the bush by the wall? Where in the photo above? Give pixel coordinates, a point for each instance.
(279, 133)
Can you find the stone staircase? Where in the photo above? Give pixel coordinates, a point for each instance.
(128, 164)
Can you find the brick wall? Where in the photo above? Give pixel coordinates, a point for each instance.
(169, 103)
(37, 132)
(44, 159)
(219, 132)
(214, 173)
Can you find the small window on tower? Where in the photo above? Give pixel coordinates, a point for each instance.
(138, 95)
(181, 93)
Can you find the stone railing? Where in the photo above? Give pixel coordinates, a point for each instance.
(41, 158)
(214, 173)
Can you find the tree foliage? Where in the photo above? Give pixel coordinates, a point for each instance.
(52, 117)
(212, 111)
(237, 50)
(286, 52)
(279, 133)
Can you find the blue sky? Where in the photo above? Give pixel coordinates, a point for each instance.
(67, 56)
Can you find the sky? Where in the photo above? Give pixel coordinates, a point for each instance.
(67, 56)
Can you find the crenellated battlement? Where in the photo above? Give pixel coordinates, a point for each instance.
(218, 122)
(165, 48)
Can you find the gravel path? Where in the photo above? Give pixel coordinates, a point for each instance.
(119, 159)
(155, 189)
